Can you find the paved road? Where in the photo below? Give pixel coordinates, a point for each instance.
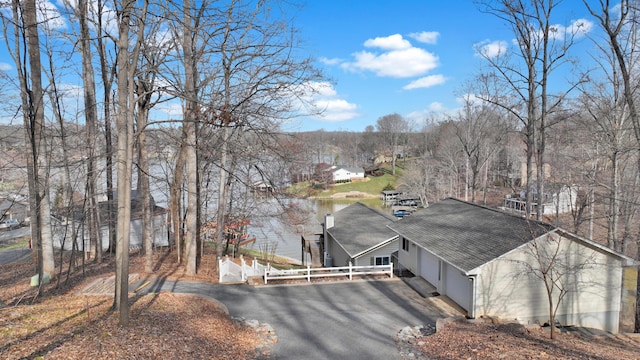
(14, 255)
(7, 235)
(347, 320)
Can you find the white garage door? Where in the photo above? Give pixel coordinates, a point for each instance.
(429, 267)
(457, 287)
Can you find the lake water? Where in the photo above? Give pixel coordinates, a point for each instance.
(275, 235)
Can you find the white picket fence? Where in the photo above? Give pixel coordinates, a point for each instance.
(230, 272)
(345, 271)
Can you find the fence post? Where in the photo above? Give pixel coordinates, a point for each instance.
(391, 270)
(350, 271)
(266, 272)
(308, 273)
(219, 270)
(243, 272)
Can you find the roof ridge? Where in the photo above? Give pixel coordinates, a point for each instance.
(538, 222)
(388, 216)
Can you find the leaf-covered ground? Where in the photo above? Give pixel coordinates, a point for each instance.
(64, 325)
(478, 340)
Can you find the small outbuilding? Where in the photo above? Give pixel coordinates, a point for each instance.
(358, 234)
(490, 263)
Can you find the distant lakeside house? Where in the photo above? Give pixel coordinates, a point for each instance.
(482, 259)
(346, 173)
(68, 221)
(557, 199)
(358, 235)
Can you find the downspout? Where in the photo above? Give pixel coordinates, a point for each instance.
(471, 314)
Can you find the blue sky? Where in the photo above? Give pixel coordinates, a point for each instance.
(409, 57)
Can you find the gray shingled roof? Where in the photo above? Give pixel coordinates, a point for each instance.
(467, 235)
(358, 228)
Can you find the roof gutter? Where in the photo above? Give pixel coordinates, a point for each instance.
(471, 313)
(376, 247)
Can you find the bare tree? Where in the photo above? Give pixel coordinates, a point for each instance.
(25, 30)
(393, 128)
(619, 24)
(127, 59)
(541, 48)
(91, 119)
(481, 130)
(554, 263)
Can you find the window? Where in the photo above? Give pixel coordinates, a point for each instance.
(405, 244)
(382, 260)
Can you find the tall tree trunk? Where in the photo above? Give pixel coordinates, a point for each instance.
(189, 128)
(143, 188)
(124, 123)
(175, 203)
(36, 127)
(614, 206)
(91, 119)
(223, 191)
(107, 74)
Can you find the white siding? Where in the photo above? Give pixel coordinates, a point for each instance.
(409, 259)
(429, 267)
(506, 288)
(63, 233)
(457, 286)
(341, 174)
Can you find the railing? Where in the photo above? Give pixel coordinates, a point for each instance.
(255, 269)
(232, 272)
(338, 271)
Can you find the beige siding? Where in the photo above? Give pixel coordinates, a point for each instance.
(340, 257)
(383, 251)
(508, 289)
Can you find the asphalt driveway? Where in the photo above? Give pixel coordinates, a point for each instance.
(14, 255)
(346, 320)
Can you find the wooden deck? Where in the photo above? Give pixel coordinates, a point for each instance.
(106, 286)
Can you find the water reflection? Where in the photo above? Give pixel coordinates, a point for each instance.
(274, 234)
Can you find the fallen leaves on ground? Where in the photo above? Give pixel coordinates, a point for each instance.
(162, 326)
(63, 325)
(481, 340)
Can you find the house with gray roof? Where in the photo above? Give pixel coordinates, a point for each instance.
(489, 263)
(358, 234)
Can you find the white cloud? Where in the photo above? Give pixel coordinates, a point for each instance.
(325, 102)
(435, 111)
(170, 108)
(71, 90)
(491, 49)
(437, 107)
(320, 88)
(336, 109)
(327, 61)
(5, 66)
(392, 42)
(427, 37)
(577, 28)
(426, 82)
(398, 63)
(49, 16)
